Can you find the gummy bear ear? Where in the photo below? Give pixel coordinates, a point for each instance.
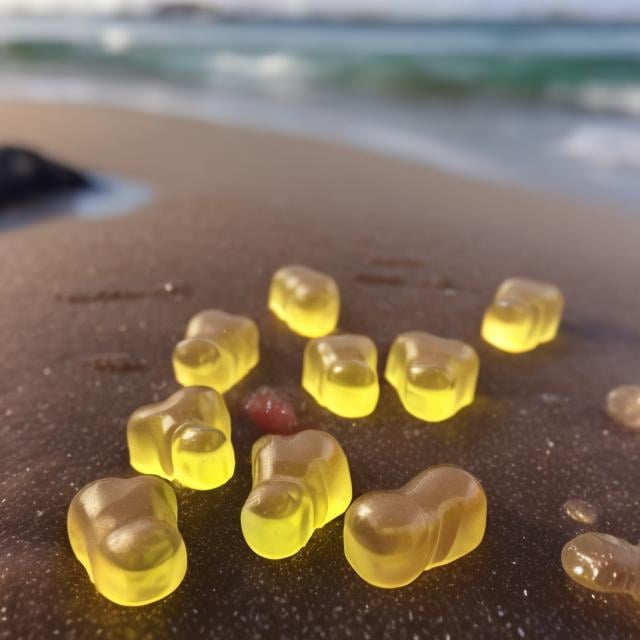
(430, 377)
(351, 373)
(202, 456)
(278, 518)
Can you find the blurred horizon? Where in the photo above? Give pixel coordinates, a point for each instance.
(543, 103)
(366, 10)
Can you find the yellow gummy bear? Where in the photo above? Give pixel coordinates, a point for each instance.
(391, 537)
(524, 314)
(219, 350)
(603, 563)
(340, 372)
(307, 301)
(186, 438)
(434, 377)
(125, 534)
(300, 483)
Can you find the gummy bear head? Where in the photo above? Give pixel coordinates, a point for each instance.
(202, 456)
(278, 518)
(350, 388)
(387, 538)
(312, 312)
(144, 559)
(198, 361)
(510, 325)
(431, 392)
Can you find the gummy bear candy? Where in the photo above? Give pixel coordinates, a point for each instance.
(219, 350)
(603, 563)
(300, 483)
(307, 301)
(434, 377)
(524, 314)
(186, 438)
(391, 537)
(125, 534)
(340, 372)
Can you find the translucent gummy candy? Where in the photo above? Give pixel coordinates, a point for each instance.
(340, 372)
(623, 405)
(603, 563)
(219, 350)
(186, 438)
(580, 511)
(125, 534)
(524, 314)
(434, 377)
(307, 301)
(300, 483)
(391, 537)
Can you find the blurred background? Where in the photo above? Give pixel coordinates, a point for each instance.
(544, 94)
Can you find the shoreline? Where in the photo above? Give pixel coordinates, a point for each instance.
(107, 196)
(411, 248)
(582, 157)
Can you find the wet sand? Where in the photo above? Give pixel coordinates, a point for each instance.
(411, 249)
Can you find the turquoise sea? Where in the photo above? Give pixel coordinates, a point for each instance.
(539, 104)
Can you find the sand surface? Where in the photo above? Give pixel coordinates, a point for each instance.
(411, 249)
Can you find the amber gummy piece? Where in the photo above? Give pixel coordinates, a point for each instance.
(340, 372)
(125, 534)
(219, 350)
(300, 483)
(434, 377)
(623, 405)
(391, 537)
(306, 300)
(604, 563)
(523, 315)
(186, 439)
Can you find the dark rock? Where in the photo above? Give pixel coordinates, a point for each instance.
(27, 175)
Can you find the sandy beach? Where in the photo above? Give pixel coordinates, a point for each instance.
(411, 248)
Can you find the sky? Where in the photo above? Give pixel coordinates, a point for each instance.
(395, 8)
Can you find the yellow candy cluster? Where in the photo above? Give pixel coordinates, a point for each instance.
(125, 534)
(186, 438)
(307, 301)
(219, 350)
(300, 483)
(340, 372)
(523, 315)
(391, 537)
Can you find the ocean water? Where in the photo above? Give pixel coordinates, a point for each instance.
(541, 105)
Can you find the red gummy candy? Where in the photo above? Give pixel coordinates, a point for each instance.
(270, 412)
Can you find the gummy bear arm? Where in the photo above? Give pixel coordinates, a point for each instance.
(168, 497)
(149, 445)
(258, 451)
(633, 585)
(76, 526)
(336, 485)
